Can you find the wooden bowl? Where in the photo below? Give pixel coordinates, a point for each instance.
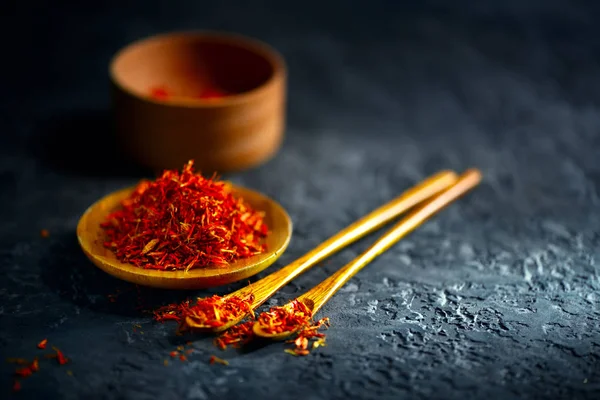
(165, 108)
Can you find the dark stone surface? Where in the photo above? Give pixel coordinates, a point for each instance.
(497, 297)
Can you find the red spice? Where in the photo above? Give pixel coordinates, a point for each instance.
(62, 360)
(24, 372)
(289, 318)
(303, 340)
(211, 93)
(159, 93)
(236, 335)
(217, 360)
(210, 312)
(44, 233)
(173, 354)
(35, 365)
(183, 358)
(30, 367)
(183, 221)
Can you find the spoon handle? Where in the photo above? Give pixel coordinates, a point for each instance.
(320, 294)
(267, 286)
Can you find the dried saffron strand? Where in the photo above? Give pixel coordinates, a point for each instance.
(302, 342)
(42, 344)
(290, 318)
(214, 311)
(60, 357)
(183, 221)
(236, 336)
(217, 360)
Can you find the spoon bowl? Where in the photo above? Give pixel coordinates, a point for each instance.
(202, 328)
(92, 237)
(258, 331)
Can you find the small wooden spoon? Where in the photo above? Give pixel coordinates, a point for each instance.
(316, 297)
(92, 237)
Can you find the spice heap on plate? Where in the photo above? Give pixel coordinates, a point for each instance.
(183, 221)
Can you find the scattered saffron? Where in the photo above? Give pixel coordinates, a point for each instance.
(173, 354)
(166, 362)
(302, 342)
(183, 221)
(236, 336)
(60, 357)
(24, 372)
(183, 357)
(217, 360)
(35, 365)
(44, 233)
(27, 368)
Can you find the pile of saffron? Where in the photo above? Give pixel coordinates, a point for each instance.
(183, 221)
(209, 312)
(27, 368)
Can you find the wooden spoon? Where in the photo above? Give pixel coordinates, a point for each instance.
(316, 297)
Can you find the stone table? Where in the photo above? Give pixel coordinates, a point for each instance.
(497, 297)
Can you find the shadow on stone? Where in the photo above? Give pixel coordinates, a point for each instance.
(67, 271)
(82, 143)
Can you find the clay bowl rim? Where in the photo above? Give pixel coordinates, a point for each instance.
(269, 53)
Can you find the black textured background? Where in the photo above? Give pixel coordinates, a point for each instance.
(497, 297)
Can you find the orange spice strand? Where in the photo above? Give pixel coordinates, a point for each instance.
(42, 344)
(44, 233)
(292, 317)
(302, 342)
(183, 221)
(16, 386)
(217, 360)
(212, 311)
(60, 357)
(236, 335)
(35, 365)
